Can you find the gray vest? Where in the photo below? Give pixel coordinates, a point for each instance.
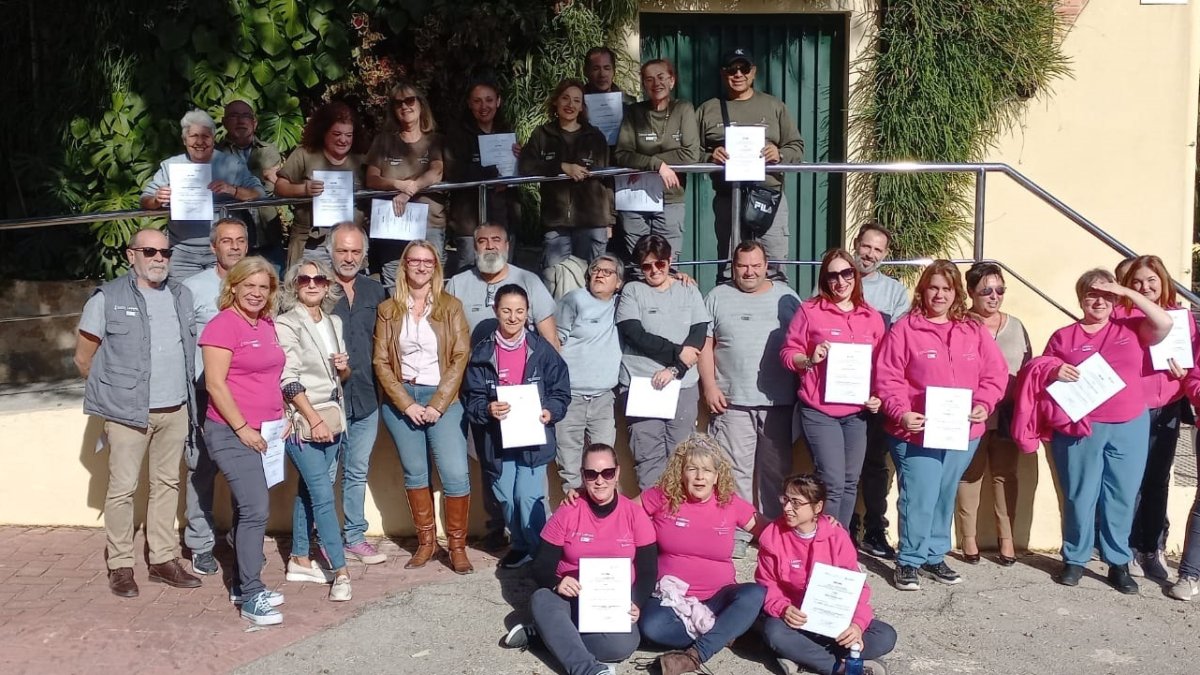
(118, 384)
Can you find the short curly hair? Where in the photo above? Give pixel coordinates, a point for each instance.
(334, 112)
(696, 448)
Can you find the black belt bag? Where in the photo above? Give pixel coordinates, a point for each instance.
(759, 205)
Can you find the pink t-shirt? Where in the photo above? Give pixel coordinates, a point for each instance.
(255, 369)
(695, 543)
(510, 364)
(1118, 343)
(582, 535)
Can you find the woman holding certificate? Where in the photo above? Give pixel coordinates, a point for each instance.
(333, 141)
(939, 375)
(835, 393)
(599, 527)
(790, 550)
(516, 389)
(1104, 468)
(421, 347)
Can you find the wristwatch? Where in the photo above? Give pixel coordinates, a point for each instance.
(674, 371)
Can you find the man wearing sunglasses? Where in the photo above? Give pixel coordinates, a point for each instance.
(136, 348)
(740, 105)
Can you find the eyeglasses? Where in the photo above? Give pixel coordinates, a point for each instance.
(603, 272)
(659, 265)
(795, 502)
(407, 101)
(987, 292)
(845, 275)
(239, 116)
(150, 251)
(413, 262)
(318, 279)
(743, 68)
(607, 474)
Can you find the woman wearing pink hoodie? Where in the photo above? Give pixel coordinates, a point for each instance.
(937, 344)
(788, 549)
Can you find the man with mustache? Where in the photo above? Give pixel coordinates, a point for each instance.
(136, 348)
(263, 160)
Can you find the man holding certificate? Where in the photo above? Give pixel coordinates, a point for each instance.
(940, 349)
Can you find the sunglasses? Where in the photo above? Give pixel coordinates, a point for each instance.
(987, 292)
(845, 275)
(607, 474)
(318, 279)
(795, 502)
(659, 265)
(743, 68)
(150, 251)
(407, 101)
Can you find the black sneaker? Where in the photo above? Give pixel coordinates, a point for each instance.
(941, 572)
(520, 636)
(906, 578)
(876, 544)
(493, 541)
(1070, 575)
(1119, 577)
(514, 559)
(204, 563)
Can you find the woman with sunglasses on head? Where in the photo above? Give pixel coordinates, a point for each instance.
(788, 550)
(997, 452)
(663, 323)
(422, 344)
(836, 431)
(315, 367)
(407, 156)
(600, 524)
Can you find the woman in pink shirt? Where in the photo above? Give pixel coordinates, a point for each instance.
(836, 432)
(788, 550)
(1106, 467)
(937, 344)
(695, 512)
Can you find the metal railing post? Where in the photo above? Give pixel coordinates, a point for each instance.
(980, 198)
(483, 205)
(735, 220)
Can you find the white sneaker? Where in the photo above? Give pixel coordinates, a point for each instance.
(340, 591)
(1185, 589)
(1135, 565)
(1154, 565)
(314, 574)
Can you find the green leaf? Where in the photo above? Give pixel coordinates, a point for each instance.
(328, 66)
(305, 73)
(320, 22)
(80, 127)
(262, 72)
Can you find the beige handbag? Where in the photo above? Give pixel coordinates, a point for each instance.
(330, 411)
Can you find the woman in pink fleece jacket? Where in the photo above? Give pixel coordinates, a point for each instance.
(788, 549)
(937, 344)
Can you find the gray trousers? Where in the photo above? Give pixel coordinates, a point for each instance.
(758, 439)
(198, 497)
(775, 240)
(556, 619)
(243, 470)
(838, 446)
(585, 243)
(668, 224)
(189, 258)
(652, 440)
(589, 419)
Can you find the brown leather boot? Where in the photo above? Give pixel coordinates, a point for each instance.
(420, 503)
(458, 510)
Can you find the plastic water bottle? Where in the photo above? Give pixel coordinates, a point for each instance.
(854, 662)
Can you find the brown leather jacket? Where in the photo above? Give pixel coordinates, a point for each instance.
(454, 350)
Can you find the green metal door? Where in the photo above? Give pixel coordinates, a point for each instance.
(802, 60)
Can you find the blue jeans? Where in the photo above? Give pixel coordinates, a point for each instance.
(1101, 471)
(314, 501)
(521, 491)
(821, 654)
(357, 443)
(736, 606)
(446, 439)
(928, 488)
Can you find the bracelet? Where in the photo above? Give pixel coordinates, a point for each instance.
(244, 425)
(319, 423)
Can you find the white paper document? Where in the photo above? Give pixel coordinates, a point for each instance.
(646, 401)
(830, 599)
(745, 146)
(605, 595)
(605, 111)
(522, 426)
(639, 192)
(1097, 383)
(190, 197)
(947, 418)
(1177, 345)
(848, 373)
(272, 432)
(335, 204)
(497, 150)
(385, 224)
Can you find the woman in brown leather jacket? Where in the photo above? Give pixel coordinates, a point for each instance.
(422, 344)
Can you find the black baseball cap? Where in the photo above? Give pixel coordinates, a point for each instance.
(739, 54)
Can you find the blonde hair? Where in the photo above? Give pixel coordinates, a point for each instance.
(437, 296)
(696, 448)
(291, 292)
(243, 270)
(425, 121)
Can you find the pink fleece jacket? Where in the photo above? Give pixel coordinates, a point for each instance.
(1159, 386)
(785, 564)
(821, 321)
(914, 356)
(1035, 415)
(1119, 344)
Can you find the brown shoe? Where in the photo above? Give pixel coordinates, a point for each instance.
(172, 574)
(121, 583)
(679, 662)
(420, 504)
(458, 510)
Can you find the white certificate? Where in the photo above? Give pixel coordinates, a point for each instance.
(385, 224)
(1178, 343)
(604, 111)
(744, 146)
(831, 598)
(522, 426)
(1097, 383)
(190, 197)
(605, 595)
(272, 459)
(848, 373)
(335, 204)
(646, 401)
(947, 418)
(497, 150)
(639, 192)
